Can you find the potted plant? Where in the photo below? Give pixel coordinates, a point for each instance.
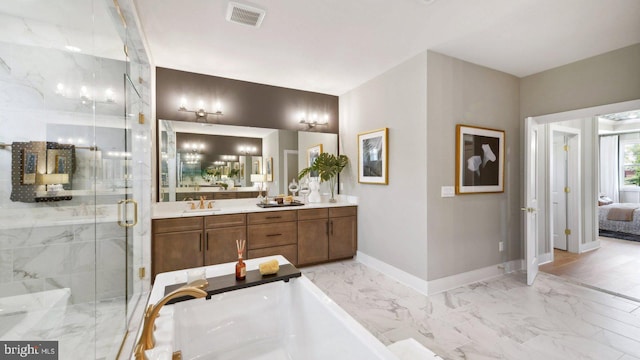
(328, 166)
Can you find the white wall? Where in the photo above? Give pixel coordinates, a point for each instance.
(392, 219)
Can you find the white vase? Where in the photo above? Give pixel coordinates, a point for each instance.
(314, 195)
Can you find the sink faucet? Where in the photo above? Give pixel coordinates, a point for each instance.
(194, 288)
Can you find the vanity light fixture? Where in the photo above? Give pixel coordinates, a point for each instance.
(201, 113)
(247, 150)
(84, 94)
(313, 121)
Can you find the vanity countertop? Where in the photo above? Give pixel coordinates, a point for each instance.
(165, 210)
(210, 189)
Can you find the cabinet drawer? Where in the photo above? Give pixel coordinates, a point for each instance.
(271, 217)
(218, 221)
(343, 211)
(310, 214)
(290, 252)
(224, 195)
(266, 235)
(177, 224)
(247, 194)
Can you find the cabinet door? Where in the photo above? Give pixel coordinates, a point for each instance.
(175, 251)
(342, 237)
(313, 241)
(220, 244)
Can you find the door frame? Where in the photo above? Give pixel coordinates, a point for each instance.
(590, 209)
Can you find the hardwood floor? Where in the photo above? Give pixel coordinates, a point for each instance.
(614, 267)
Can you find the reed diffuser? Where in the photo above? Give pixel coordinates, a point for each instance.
(241, 267)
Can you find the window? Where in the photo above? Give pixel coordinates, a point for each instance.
(630, 164)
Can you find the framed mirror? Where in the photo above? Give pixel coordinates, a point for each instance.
(198, 158)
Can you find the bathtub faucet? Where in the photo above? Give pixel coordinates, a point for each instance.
(146, 342)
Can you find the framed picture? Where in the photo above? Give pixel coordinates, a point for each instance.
(373, 157)
(61, 165)
(312, 154)
(479, 160)
(30, 163)
(269, 169)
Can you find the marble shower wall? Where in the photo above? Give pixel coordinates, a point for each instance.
(88, 258)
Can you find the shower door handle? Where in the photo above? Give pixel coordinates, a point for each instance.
(123, 222)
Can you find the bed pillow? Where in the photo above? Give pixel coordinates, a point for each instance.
(603, 200)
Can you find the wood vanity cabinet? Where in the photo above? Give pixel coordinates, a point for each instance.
(221, 233)
(273, 233)
(313, 236)
(304, 237)
(177, 244)
(343, 232)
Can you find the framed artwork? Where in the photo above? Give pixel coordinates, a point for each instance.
(312, 154)
(479, 160)
(373, 157)
(30, 163)
(269, 169)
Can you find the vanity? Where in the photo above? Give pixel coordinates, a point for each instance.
(309, 234)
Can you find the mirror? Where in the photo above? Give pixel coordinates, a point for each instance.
(193, 156)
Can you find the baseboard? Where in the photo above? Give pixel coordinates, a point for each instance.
(454, 281)
(443, 284)
(401, 276)
(591, 245)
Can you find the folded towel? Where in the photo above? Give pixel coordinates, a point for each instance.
(621, 212)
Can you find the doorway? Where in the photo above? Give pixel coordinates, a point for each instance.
(564, 184)
(537, 187)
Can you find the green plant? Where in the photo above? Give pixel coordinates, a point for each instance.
(328, 166)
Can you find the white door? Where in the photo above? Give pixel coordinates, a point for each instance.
(532, 130)
(558, 194)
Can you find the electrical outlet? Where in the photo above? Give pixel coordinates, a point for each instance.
(501, 246)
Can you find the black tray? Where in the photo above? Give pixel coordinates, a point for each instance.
(294, 203)
(220, 284)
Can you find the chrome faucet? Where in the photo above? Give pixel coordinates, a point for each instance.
(146, 342)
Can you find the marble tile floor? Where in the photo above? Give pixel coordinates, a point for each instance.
(614, 267)
(500, 318)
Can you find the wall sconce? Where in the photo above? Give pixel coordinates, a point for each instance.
(247, 150)
(201, 113)
(313, 121)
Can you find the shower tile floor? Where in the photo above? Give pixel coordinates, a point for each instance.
(501, 318)
(86, 331)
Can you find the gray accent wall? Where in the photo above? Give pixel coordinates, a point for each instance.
(609, 78)
(392, 219)
(464, 231)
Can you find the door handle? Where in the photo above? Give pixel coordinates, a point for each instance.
(125, 223)
(528, 209)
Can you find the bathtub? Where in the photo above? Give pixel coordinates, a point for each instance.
(293, 320)
(21, 314)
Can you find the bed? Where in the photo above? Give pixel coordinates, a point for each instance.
(611, 218)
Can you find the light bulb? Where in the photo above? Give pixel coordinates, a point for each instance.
(183, 103)
(218, 107)
(200, 104)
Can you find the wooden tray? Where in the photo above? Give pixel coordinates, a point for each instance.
(220, 284)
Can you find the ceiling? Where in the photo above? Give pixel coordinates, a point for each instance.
(332, 46)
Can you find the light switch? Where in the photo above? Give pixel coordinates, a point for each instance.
(448, 191)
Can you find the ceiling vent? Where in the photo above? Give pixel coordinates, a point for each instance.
(245, 14)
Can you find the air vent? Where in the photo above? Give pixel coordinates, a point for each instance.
(244, 14)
